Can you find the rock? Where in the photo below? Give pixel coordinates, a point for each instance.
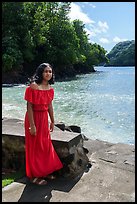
(68, 145)
(7, 85)
(73, 128)
(70, 128)
(60, 125)
(84, 137)
(104, 182)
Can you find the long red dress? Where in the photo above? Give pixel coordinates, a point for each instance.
(41, 157)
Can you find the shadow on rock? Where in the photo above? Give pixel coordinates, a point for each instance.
(36, 193)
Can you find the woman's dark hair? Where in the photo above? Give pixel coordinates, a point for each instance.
(38, 76)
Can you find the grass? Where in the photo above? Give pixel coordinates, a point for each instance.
(9, 178)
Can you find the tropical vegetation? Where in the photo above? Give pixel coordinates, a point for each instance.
(36, 32)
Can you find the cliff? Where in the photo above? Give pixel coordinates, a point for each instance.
(122, 54)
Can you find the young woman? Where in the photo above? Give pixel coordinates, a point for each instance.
(41, 157)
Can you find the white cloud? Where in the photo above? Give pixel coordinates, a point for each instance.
(103, 26)
(117, 39)
(104, 40)
(100, 27)
(92, 28)
(76, 13)
(83, 6)
(89, 4)
(90, 32)
(92, 5)
(93, 42)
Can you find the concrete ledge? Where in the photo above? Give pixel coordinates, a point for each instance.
(68, 145)
(15, 127)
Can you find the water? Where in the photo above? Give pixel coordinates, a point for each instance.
(101, 103)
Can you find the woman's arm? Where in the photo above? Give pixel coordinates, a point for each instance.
(32, 127)
(51, 114)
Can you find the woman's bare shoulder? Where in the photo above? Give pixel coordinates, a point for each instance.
(50, 87)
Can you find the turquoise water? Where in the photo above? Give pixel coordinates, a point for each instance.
(101, 103)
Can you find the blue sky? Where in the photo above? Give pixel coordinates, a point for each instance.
(107, 23)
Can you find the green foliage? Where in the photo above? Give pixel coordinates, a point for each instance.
(122, 54)
(9, 178)
(12, 56)
(36, 32)
(88, 54)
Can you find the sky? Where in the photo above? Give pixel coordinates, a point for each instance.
(107, 23)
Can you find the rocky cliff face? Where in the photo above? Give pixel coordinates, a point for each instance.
(122, 54)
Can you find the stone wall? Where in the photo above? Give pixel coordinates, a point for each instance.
(67, 141)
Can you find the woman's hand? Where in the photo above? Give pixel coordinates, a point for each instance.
(51, 127)
(32, 130)
(34, 85)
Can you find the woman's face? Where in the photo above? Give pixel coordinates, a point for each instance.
(47, 74)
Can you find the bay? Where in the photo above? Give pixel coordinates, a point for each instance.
(101, 103)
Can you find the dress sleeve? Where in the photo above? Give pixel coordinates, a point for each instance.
(38, 96)
(28, 95)
(52, 94)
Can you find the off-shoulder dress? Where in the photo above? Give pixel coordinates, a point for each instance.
(41, 157)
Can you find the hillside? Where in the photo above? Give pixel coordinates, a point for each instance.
(122, 54)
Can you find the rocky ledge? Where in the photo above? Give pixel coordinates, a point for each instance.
(67, 141)
(111, 177)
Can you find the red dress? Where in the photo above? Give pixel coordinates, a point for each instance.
(41, 157)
